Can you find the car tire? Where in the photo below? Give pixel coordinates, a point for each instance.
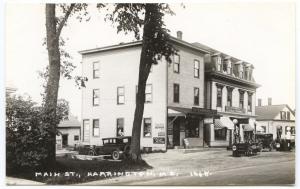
(126, 151)
(115, 155)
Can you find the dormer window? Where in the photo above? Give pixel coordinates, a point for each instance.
(225, 66)
(229, 70)
(241, 70)
(219, 62)
(283, 115)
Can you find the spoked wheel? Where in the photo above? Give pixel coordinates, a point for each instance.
(126, 151)
(92, 153)
(115, 155)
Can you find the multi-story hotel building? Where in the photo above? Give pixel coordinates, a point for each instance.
(178, 109)
(231, 90)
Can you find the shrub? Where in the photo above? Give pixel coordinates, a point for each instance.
(25, 136)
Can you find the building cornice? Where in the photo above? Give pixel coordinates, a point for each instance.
(139, 43)
(215, 76)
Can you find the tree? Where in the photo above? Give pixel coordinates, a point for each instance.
(54, 26)
(26, 145)
(155, 46)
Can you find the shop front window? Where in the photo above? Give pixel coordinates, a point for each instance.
(192, 128)
(147, 127)
(220, 134)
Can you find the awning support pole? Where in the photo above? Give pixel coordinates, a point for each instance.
(173, 120)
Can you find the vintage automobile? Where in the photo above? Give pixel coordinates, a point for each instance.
(116, 147)
(246, 148)
(265, 141)
(283, 145)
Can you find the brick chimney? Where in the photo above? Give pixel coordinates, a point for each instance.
(269, 101)
(179, 35)
(259, 102)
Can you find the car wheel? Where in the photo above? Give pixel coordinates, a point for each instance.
(91, 153)
(126, 151)
(115, 155)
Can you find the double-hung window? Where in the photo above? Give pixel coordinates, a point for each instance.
(147, 127)
(241, 104)
(96, 128)
(249, 102)
(176, 63)
(120, 127)
(120, 95)
(219, 96)
(96, 70)
(229, 96)
(96, 97)
(148, 93)
(176, 92)
(86, 130)
(196, 68)
(196, 96)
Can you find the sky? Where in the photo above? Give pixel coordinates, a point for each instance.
(262, 34)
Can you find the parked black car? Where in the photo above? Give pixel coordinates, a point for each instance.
(246, 148)
(117, 147)
(265, 141)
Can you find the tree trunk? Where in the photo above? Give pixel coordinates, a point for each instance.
(52, 83)
(146, 62)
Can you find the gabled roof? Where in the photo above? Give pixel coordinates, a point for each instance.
(71, 122)
(269, 112)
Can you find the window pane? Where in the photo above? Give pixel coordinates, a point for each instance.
(176, 67)
(96, 129)
(176, 58)
(120, 90)
(96, 65)
(96, 97)
(121, 99)
(120, 127)
(86, 130)
(148, 88)
(147, 127)
(196, 64)
(196, 92)
(148, 98)
(176, 93)
(76, 137)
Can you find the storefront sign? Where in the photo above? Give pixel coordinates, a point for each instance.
(203, 111)
(234, 109)
(159, 126)
(159, 140)
(208, 120)
(161, 134)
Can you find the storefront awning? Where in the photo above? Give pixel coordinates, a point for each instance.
(224, 122)
(179, 111)
(251, 126)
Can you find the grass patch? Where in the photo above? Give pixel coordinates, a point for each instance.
(84, 171)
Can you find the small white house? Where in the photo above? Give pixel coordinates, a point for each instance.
(278, 120)
(69, 133)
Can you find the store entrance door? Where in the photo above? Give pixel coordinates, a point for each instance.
(176, 133)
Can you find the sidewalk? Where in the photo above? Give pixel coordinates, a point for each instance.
(11, 181)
